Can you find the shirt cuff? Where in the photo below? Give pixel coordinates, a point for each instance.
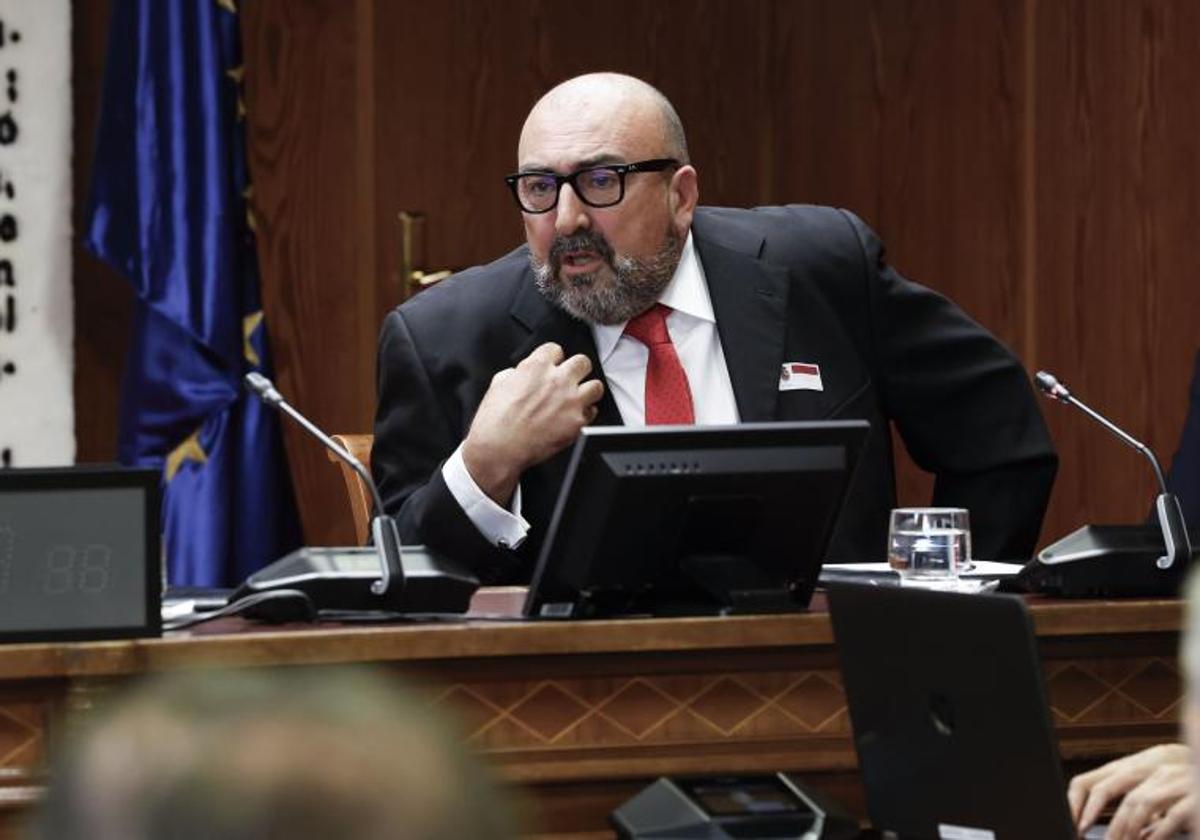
(503, 528)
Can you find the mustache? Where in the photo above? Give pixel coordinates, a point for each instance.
(587, 240)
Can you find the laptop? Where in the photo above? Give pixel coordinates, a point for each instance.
(953, 732)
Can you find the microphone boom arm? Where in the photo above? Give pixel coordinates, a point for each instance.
(1124, 436)
(383, 527)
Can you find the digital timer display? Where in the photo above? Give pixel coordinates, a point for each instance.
(76, 553)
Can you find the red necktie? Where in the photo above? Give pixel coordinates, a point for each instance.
(668, 397)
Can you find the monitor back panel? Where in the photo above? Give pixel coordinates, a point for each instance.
(694, 519)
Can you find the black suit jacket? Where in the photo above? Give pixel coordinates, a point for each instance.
(1184, 478)
(788, 284)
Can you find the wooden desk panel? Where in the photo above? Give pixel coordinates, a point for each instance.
(582, 715)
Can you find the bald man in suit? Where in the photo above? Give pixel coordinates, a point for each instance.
(486, 379)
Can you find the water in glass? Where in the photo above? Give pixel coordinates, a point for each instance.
(929, 545)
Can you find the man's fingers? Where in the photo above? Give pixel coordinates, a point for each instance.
(591, 392)
(1177, 818)
(1143, 805)
(1092, 806)
(501, 376)
(1077, 793)
(577, 367)
(1128, 820)
(547, 354)
(1090, 792)
(1133, 815)
(1100, 795)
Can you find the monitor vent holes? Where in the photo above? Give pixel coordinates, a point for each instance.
(662, 468)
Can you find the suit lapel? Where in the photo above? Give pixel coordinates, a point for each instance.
(766, 317)
(749, 300)
(546, 322)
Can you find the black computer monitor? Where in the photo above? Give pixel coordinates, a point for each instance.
(679, 520)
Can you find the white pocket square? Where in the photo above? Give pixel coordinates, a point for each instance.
(800, 376)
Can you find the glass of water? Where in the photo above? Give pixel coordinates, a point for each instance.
(930, 546)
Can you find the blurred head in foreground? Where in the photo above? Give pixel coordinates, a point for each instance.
(242, 755)
(1191, 669)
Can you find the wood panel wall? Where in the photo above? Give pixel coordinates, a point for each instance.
(1117, 204)
(1035, 160)
(103, 299)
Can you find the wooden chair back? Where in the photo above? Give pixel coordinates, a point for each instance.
(359, 494)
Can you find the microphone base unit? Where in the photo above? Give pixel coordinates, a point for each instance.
(339, 579)
(1104, 561)
(1177, 544)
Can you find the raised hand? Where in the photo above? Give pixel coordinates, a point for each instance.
(529, 413)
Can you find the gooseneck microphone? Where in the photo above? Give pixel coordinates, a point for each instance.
(1178, 549)
(383, 527)
(1055, 390)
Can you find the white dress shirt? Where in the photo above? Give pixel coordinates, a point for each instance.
(693, 329)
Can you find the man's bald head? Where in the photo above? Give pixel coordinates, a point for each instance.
(617, 97)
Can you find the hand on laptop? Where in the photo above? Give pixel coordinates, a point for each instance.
(1157, 786)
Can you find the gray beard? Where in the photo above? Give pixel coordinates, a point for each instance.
(635, 285)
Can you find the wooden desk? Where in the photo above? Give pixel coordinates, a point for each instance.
(582, 715)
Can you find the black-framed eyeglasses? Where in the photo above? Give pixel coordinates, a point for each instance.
(596, 186)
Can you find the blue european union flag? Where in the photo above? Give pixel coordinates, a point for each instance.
(169, 210)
